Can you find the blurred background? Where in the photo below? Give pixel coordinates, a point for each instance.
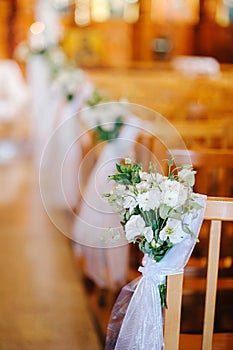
(118, 33)
(174, 58)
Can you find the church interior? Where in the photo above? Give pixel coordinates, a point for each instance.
(170, 62)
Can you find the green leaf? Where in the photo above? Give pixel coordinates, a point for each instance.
(186, 229)
(175, 215)
(109, 135)
(135, 178)
(118, 166)
(123, 168)
(95, 99)
(164, 211)
(195, 205)
(170, 161)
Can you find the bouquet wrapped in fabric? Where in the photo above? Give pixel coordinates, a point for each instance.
(163, 216)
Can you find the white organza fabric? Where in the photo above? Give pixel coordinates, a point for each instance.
(56, 126)
(50, 108)
(105, 260)
(66, 119)
(44, 102)
(136, 322)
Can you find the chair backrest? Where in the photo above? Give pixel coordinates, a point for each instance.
(214, 169)
(217, 211)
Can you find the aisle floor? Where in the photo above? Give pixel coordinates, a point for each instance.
(42, 301)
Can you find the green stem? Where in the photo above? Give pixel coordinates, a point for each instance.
(162, 292)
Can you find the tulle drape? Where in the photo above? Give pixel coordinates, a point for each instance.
(136, 321)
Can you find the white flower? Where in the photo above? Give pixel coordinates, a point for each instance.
(187, 176)
(128, 160)
(129, 200)
(120, 189)
(174, 193)
(151, 178)
(116, 198)
(143, 186)
(143, 175)
(173, 230)
(134, 227)
(149, 200)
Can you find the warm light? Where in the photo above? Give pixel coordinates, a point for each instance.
(37, 27)
(222, 15)
(131, 11)
(116, 8)
(100, 10)
(82, 12)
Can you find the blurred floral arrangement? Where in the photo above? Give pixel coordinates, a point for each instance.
(104, 117)
(65, 77)
(69, 80)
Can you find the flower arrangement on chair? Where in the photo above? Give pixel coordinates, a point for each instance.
(65, 77)
(105, 118)
(162, 215)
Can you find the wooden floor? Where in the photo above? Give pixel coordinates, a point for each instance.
(42, 301)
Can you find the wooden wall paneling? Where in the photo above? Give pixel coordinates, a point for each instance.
(5, 7)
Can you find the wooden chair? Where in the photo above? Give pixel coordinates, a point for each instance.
(217, 211)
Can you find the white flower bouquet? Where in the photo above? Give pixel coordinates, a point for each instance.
(153, 208)
(163, 216)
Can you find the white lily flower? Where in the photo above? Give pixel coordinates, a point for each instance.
(134, 227)
(150, 199)
(174, 193)
(173, 230)
(187, 176)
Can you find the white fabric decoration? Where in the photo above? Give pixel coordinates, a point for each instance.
(142, 325)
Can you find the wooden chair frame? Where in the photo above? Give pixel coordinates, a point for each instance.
(217, 210)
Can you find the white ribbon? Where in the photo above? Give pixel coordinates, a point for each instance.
(142, 326)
